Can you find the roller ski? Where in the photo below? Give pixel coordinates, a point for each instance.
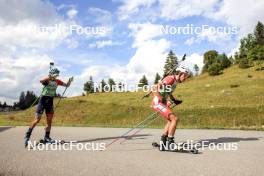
(48, 140)
(170, 146)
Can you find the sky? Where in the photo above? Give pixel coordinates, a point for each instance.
(121, 39)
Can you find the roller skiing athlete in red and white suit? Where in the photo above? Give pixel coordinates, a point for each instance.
(160, 103)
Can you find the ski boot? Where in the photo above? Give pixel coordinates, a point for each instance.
(171, 144)
(48, 140)
(163, 142)
(27, 137)
(26, 141)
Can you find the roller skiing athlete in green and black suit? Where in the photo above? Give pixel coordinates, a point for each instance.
(46, 103)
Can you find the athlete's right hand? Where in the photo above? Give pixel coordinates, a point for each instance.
(45, 83)
(177, 102)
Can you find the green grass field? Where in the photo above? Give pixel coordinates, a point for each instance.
(208, 102)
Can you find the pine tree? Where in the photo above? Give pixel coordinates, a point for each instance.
(4, 105)
(103, 85)
(170, 64)
(243, 63)
(196, 69)
(209, 58)
(237, 58)
(89, 86)
(30, 98)
(231, 60)
(157, 78)
(259, 33)
(15, 106)
(111, 83)
(143, 81)
(223, 60)
(215, 69)
(21, 103)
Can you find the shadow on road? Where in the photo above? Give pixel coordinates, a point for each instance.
(226, 140)
(4, 128)
(114, 137)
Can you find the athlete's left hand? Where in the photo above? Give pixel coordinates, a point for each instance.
(68, 84)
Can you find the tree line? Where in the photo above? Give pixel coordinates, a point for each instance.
(26, 99)
(251, 51)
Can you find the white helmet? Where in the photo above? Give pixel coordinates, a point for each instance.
(183, 69)
(54, 72)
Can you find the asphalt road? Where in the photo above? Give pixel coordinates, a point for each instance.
(135, 156)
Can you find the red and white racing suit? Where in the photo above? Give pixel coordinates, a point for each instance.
(159, 102)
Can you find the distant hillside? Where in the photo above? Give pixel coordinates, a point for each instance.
(234, 100)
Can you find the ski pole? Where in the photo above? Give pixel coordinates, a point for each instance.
(140, 129)
(70, 80)
(131, 129)
(136, 127)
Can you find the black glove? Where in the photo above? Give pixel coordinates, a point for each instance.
(176, 102)
(45, 83)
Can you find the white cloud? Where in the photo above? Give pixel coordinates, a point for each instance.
(148, 59)
(212, 36)
(234, 50)
(37, 11)
(220, 38)
(243, 14)
(72, 13)
(21, 27)
(21, 74)
(72, 43)
(132, 7)
(145, 61)
(65, 6)
(190, 41)
(104, 43)
(21, 64)
(143, 32)
(193, 59)
(100, 16)
(177, 9)
(27, 34)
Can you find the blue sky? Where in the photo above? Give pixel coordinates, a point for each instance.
(134, 43)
